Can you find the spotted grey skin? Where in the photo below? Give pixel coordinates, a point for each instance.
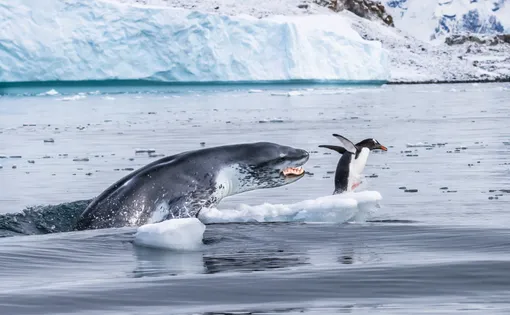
(351, 156)
(181, 185)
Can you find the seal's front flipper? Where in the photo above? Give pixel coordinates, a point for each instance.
(336, 148)
(348, 145)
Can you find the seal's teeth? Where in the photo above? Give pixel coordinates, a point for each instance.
(293, 171)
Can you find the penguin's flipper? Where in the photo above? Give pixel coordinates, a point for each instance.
(336, 148)
(349, 146)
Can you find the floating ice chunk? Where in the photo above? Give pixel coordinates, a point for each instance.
(76, 97)
(420, 145)
(145, 150)
(50, 92)
(175, 234)
(335, 208)
(289, 93)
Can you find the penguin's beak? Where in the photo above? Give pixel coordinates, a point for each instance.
(383, 148)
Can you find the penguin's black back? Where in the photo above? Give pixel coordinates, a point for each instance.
(342, 172)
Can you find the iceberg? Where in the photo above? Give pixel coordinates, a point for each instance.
(75, 40)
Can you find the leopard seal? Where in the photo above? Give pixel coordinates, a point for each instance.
(179, 186)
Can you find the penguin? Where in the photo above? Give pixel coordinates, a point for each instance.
(352, 162)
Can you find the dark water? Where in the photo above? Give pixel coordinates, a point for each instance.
(441, 250)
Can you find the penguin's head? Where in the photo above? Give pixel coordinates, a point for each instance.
(371, 144)
(348, 146)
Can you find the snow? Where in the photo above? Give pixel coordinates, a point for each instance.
(341, 208)
(255, 8)
(413, 60)
(103, 40)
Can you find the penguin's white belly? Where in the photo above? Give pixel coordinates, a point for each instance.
(356, 168)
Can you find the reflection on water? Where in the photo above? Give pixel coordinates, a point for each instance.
(260, 311)
(248, 262)
(346, 260)
(152, 262)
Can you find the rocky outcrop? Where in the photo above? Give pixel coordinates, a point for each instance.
(488, 40)
(372, 10)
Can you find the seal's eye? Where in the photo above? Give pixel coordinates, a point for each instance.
(282, 155)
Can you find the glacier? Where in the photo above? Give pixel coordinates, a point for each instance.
(74, 40)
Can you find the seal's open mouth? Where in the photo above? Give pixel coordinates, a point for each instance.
(293, 171)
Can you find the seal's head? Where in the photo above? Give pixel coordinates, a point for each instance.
(268, 165)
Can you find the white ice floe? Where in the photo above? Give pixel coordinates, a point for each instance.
(335, 208)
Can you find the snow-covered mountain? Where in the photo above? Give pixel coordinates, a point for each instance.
(435, 19)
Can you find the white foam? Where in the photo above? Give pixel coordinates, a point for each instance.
(351, 206)
(174, 234)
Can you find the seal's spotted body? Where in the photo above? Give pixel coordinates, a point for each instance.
(181, 185)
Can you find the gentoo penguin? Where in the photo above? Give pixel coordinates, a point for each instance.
(353, 160)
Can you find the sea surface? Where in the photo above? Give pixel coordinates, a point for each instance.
(438, 242)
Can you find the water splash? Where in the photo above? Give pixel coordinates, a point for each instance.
(42, 219)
